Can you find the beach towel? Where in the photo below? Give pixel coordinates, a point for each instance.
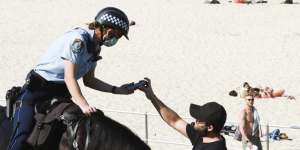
(256, 124)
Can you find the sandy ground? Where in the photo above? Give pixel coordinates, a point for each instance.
(193, 52)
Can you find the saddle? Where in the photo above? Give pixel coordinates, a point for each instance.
(52, 117)
(61, 116)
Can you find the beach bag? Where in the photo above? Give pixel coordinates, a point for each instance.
(275, 135)
(237, 134)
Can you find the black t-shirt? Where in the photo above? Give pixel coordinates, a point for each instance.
(198, 144)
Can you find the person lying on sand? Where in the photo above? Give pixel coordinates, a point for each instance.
(258, 92)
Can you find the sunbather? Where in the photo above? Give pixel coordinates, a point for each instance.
(258, 92)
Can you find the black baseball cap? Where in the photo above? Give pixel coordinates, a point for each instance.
(212, 113)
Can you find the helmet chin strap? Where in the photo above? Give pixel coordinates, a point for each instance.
(102, 34)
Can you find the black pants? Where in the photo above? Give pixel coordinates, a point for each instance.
(35, 90)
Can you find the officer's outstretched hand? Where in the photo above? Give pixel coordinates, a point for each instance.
(124, 89)
(147, 89)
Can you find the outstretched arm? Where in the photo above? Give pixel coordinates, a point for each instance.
(91, 81)
(166, 113)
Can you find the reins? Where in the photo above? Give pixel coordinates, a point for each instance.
(72, 130)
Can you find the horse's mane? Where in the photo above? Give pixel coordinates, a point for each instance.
(115, 135)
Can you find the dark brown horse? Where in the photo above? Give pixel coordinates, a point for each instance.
(97, 132)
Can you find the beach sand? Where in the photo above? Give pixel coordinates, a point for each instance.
(193, 52)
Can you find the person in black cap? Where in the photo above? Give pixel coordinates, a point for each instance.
(204, 133)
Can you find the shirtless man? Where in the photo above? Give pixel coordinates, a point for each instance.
(249, 125)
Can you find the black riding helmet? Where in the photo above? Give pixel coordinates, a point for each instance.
(114, 18)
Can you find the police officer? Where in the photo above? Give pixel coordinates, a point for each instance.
(70, 57)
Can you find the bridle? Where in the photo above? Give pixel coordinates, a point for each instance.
(73, 121)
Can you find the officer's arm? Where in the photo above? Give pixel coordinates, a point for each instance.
(72, 84)
(91, 81)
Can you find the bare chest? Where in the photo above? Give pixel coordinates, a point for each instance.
(249, 117)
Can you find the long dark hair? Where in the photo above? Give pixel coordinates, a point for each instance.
(93, 25)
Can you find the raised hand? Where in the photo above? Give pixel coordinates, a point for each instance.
(147, 89)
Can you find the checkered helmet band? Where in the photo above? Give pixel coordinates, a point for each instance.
(114, 20)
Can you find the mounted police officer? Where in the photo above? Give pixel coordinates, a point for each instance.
(70, 57)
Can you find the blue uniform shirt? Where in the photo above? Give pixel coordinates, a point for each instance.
(72, 46)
